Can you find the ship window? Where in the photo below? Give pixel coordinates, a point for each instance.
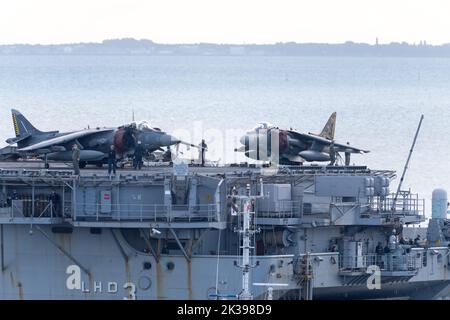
(170, 265)
(147, 265)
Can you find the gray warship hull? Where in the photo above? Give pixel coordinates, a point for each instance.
(162, 234)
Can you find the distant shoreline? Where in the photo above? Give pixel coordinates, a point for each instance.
(218, 56)
(133, 47)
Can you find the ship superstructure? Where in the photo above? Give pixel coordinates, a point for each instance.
(170, 233)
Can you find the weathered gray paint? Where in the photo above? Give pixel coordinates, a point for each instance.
(34, 263)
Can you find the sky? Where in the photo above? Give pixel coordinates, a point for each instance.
(225, 21)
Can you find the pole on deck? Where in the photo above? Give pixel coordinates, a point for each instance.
(394, 202)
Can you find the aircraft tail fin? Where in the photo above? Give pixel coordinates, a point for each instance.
(22, 127)
(328, 130)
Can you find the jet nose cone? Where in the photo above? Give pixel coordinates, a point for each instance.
(174, 140)
(167, 140)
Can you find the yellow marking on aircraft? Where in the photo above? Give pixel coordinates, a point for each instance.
(16, 125)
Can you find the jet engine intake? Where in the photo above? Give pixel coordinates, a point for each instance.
(124, 139)
(264, 144)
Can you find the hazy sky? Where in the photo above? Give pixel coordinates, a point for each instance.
(225, 21)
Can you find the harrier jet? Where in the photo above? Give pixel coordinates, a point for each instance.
(94, 144)
(269, 143)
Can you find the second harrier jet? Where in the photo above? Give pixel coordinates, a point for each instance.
(269, 143)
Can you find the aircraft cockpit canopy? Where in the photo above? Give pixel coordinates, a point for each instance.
(143, 125)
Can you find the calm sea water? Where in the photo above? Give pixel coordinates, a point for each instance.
(378, 101)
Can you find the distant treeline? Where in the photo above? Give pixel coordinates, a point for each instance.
(147, 47)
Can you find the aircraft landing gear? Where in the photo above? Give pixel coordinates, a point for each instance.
(99, 164)
(82, 164)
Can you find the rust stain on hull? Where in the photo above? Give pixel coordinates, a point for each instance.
(189, 279)
(160, 294)
(11, 276)
(19, 285)
(127, 271)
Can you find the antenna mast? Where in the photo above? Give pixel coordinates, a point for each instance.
(247, 231)
(406, 165)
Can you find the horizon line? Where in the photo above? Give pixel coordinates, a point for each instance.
(421, 42)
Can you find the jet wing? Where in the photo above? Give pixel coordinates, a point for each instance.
(62, 139)
(339, 147)
(318, 143)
